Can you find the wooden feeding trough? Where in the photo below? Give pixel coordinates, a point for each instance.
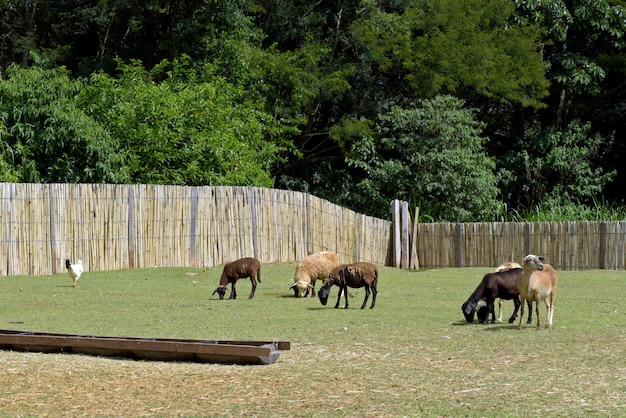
(160, 349)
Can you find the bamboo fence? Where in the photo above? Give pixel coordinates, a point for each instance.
(112, 227)
(566, 245)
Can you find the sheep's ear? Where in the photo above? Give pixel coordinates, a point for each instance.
(214, 292)
(293, 285)
(311, 286)
(542, 259)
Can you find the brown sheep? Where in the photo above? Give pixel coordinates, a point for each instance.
(508, 265)
(354, 275)
(238, 269)
(538, 282)
(311, 268)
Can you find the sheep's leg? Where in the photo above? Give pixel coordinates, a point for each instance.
(521, 313)
(530, 312)
(537, 311)
(338, 298)
(253, 287)
(374, 292)
(516, 302)
(233, 292)
(367, 295)
(499, 310)
(492, 310)
(345, 295)
(550, 311)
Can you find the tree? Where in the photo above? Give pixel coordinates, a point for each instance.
(577, 38)
(558, 166)
(430, 155)
(189, 128)
(461, 47)
(47, 137)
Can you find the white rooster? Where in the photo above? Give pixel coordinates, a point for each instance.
(75, 270)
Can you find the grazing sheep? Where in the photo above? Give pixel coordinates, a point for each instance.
(354, 275)
(311, 268)
(503, 285)
(75, 270)
(538, 282)
(239, 269)
(508, 265)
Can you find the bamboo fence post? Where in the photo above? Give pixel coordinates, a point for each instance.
(415, 261)
(131, 227)
(404, 236)
(53, 233)
(395, 215)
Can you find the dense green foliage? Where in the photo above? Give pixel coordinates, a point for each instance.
(471, 110)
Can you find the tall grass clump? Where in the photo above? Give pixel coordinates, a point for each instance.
(551, 210)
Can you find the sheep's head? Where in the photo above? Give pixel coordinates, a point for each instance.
(221, 290)
(468, 309)
(300, 288)
(483, 314)
(324, 291)
(533, 262)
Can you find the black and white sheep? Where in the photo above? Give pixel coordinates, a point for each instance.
(354, 275)
(311, 268)
(239, 269)
(503, 285)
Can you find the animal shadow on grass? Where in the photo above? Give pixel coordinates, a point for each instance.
(500, 326)
(487, 327)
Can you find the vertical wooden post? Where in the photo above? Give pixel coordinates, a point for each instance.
(396, 221)
(357, 236)
(526, 239)
(252, 199)
(309, 226)
(131, 226)
(193, 225)
(602, 252)
(404, 238)
(415, 261)
(53, 230)
(458, 245)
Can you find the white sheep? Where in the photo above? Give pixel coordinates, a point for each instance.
(311, 268)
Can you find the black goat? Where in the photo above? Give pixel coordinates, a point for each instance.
(503, 285)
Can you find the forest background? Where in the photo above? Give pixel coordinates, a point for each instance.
(472, 110)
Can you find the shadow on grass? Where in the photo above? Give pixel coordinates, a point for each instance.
(487, 327)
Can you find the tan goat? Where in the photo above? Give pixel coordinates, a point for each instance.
(538, 283)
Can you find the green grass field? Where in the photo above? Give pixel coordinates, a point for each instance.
(413, 355)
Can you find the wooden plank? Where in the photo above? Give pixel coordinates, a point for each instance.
(222, 351)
